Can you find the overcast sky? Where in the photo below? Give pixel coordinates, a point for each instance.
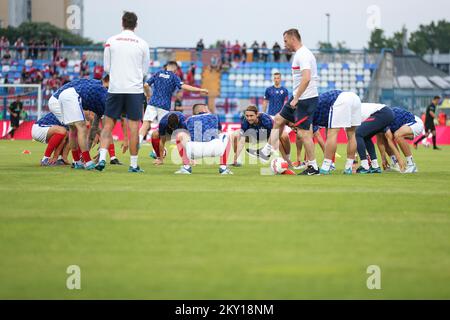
(180, 23)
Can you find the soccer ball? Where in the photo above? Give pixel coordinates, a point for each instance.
(279, 166)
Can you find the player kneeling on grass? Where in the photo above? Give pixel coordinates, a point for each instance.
(68, 104)
(338, 110)
(204, 140)
(51, 131)
(255, 127)
(170, 123)
(405, 126)
(375, 119)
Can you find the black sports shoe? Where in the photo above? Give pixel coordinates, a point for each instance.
(252, 152)
(310, 171)
(436, 148)
(116, 162)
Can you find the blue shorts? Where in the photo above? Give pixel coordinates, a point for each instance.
(129, 104)
(287, 112)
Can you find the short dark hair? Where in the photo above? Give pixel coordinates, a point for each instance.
(437, 98)
(293, 33)
(172, 63)
(172, 122)
(252, 109)
(196, 106)
(129, 20)
(106, 78)
(277, 74)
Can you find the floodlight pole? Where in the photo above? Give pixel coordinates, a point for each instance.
(328, 28)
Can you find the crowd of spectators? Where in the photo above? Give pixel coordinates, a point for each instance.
(237, 52)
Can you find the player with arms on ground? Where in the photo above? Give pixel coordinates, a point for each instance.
(168, 125)
(51, 131)
(404, 126)
(204, 140)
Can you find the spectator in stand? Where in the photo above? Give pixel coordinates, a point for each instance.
(98, 71)
(179, 72)
(214, 63)
(255, 48)
(36, 50)
(4, 44)
(20, 48)
(44, 49)
(6, 58)
(264, 52)
(84, 66)
(54, 83)
(30, 49)
(229, 52)
(15, 109)
(63, 66)
(23, 75)
(56, 47)
(244, 52)
(200, 47)
(276, 52)
(222, 48)
(237, 51)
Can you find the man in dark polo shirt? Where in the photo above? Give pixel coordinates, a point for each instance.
(430, 115)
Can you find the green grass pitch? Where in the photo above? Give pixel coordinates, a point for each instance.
(205, 236)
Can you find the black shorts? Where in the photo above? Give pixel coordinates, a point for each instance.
(287, 112)
(129, 104)
(430, 127)
(15, 121)
(304, 112)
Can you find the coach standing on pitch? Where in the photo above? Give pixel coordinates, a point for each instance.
(305, 94)
(126, 60)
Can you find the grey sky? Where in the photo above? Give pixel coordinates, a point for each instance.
(180, 23)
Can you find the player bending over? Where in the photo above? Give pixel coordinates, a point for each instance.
(203, 140)
(404, 126)
(375, 118)
(338, 110)
(170, 123)
(51, 131)
(68, 103)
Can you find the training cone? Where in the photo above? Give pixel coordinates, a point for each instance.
(26, 152)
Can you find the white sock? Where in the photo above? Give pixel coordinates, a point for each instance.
(375, 164)
(141, 138)
(60, 157)
(326, 165)
(187, 167)
(102, 154)
(313, 163)
(288, 156)
(365, 164)
(266, 150)
(113, 158)
(410, 161)
(394, 159)
(133, 161)
(349, 164)
(223, 167)
(45, 158)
